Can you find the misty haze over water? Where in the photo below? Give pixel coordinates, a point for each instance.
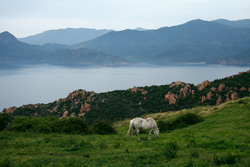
(44, 83)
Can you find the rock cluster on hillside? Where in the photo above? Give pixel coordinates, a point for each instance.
(118, 105)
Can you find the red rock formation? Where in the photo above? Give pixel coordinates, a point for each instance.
(37, 105)
(243, 88)
(77, 94)
(219, 100)
(203, 98)
(203, 85)
(213, 89)
(73, 114)
(185, 91)
(234, 96)
(144, 92)
(209, 96)
(135, 89)
(176, 84)
(36, 114)
(171, 98)
(65, 114)
(81, 114)
(221, 87)
(10, 110)
(240, 73)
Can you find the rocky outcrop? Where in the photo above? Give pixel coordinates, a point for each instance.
(203, 85)
(10, 110)
(176, 84)
(203, 98)
(65, 114)
(184, 91)
(243, 88)
(135, 89)
(213, 89)
(221, 87)
(219, 100)
(209, 96)
(171, 98)
(234, 96)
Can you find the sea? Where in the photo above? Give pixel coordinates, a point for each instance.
(44, 83)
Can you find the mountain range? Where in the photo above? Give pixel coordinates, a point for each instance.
(217, 42)
(194, 41)
(14, 51)
(67, 36)
(245, 23)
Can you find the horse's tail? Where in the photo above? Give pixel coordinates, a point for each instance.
(130, 131)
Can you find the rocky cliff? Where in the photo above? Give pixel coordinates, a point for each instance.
(120, 104)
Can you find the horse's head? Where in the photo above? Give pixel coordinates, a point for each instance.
(156, 132)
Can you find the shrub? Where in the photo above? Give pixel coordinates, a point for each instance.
(21, 124)
(170, 150)
(5, 162)
(187, 119)
(228, 159)
(49, 124)
(182, 121)
(73, 125)
(103, 127)
(4, 120)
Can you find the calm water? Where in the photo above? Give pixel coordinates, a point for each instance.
(45, 83)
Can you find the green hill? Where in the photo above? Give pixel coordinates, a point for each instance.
(222, 139)
(137, 101)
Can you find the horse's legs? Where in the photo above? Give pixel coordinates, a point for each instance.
(149, 135)
(137, 134)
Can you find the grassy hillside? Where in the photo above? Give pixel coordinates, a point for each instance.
(221, 139)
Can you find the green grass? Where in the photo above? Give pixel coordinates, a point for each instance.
(222, 139)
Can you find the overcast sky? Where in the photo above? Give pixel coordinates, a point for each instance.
(28, 17)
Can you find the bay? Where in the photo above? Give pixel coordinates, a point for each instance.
(43, 83)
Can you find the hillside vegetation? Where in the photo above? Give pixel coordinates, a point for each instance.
(221, 139)
(137, 101)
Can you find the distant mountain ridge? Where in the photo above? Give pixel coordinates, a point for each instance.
(14, 51)
(245, 23)
(214, 42)
(67, 36)
(147, 46)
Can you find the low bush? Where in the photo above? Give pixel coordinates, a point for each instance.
(170, 150)
(49, 124)
(182, 121)
(4, 120)
(21, 124)
(73, 125)
(228, 159)
(103, 127)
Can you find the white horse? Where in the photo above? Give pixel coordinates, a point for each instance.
(145, 124)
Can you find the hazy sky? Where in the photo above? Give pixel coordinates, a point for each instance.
(27, 17)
